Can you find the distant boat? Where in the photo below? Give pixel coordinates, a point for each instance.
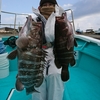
(97, 31)
(79, 31)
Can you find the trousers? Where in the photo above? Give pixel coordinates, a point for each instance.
(52, 88)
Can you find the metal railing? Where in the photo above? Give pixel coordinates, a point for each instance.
(15, 14)
(72, 16)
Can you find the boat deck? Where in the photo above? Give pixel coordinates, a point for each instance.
(82, 85)
(7, 84)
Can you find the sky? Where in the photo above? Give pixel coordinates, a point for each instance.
(86, 12)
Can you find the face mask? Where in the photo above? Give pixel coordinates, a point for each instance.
(46, 11)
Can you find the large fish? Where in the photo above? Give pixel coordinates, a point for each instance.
(64, 46)
(31, 56)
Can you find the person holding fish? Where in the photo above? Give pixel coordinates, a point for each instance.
(45, 49)
(58, 59)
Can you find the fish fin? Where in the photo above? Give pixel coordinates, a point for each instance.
(40, 82)
(57, 63)
(65, 73)
(31, 90)
(44, 51)
(19, 86)
(75, 43)
(73, 62)
(12, 55)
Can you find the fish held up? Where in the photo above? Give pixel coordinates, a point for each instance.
(31, 57)
(64, 46)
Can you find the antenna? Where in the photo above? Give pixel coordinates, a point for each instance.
(0, 12)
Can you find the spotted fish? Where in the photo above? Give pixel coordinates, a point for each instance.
(31, 56)
(64, 46)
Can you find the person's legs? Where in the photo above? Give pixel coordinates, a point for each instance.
(42, 92)
(55, 87)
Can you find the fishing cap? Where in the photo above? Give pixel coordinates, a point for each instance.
(45, 1)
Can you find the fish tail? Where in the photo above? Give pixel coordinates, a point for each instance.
(31, 90)
(65, 73)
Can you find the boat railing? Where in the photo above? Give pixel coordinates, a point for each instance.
(15, 18)
(82, 37)
(72, 18)
(85, 38)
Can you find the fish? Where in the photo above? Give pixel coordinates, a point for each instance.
(64, 47)
(30, 55)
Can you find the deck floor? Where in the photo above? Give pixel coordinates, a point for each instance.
(81, 86)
